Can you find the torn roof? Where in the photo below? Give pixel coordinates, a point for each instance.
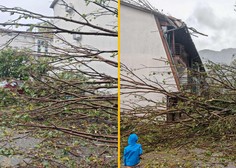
(146, 7)
(181, 30)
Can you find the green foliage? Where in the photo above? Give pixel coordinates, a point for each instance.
(14, 64)
(20, 64)
(6, 152)
(7, 98)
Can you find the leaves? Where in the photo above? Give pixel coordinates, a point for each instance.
(67, 104)
(200, 119)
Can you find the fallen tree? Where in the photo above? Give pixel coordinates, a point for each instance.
(69, 103)
(210, 115)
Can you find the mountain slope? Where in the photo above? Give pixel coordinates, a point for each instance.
(225, 56)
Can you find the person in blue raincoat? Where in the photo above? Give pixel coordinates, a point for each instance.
(132, 152)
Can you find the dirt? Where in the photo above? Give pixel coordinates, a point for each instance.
(197, 153)
(187, 158)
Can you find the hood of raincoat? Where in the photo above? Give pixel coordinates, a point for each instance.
(133, 138)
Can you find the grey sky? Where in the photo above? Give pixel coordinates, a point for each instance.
(39, 6)
(216, 18)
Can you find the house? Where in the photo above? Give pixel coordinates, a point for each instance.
(97, 53)
(158, 50)
(39, 44)
(81, 11)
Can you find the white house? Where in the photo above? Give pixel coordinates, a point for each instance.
(78, 10)
(34, 42)
(156, 48)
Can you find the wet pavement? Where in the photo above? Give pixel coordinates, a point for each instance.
(14, 141)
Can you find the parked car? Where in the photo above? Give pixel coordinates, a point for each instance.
(14, 86)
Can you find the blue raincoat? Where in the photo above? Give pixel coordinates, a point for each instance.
(133, 151)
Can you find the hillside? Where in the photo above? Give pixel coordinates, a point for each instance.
(224, 56)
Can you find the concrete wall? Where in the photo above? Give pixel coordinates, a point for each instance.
(141, 51)
(19, 41)
(22, 41)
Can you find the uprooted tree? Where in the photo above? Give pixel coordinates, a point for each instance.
(69, 104)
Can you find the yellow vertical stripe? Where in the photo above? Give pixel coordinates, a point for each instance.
(118, 159)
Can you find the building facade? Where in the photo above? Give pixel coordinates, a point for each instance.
(159, 51)
(78, 13)
(36, 43)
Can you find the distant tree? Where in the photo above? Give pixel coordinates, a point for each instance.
(20, 64)
(14, 64)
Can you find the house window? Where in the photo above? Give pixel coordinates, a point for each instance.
(39, 46)
(46, 47)
(42, 46)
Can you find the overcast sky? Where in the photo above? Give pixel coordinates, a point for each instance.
(39, 6)
(216, 18)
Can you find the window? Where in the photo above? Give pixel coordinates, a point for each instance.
(42, 46)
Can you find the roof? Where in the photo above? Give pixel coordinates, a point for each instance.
(180, 28)
(136, 6)
(53, 3)
(149, 9)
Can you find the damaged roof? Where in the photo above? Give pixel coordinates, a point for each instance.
(180, 28)
(149, 9)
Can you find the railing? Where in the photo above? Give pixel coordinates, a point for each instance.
(182, 69)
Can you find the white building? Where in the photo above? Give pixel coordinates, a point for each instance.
(29, 41)
(157, 48)
(78, 11)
